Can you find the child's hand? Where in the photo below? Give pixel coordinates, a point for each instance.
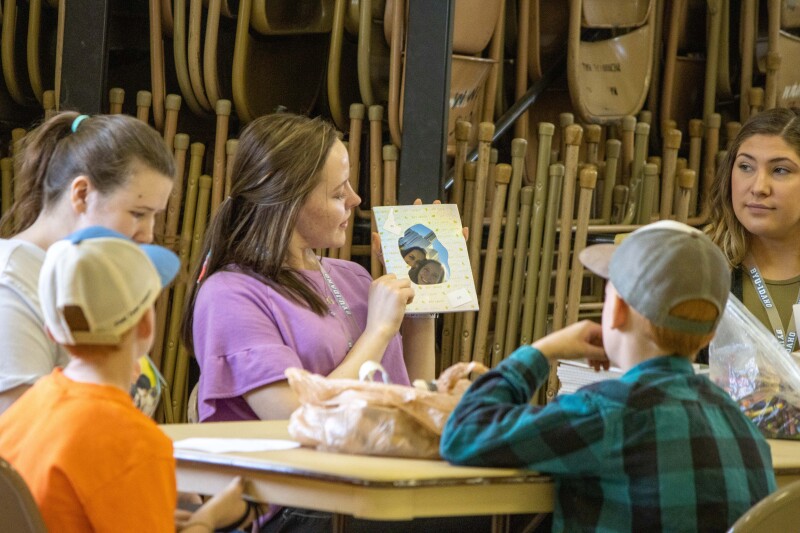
(223, 509)
(579, 340)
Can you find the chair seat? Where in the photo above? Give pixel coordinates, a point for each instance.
(780, 511)
(17, 506)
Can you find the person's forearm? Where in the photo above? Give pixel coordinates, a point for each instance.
(419, 347)
(370, 346)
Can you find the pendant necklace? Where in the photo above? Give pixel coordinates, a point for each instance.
(337, 294)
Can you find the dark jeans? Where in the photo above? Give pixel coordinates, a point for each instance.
(294, 520)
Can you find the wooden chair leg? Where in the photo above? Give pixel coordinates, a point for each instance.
(116, 97)
(518, 148)
(485, 133)
(449, 323)
(521, 75)
(49, 104)
(144, 100)
(390, 156)
(157, 83)
(587, 182)
(170, 361)
(462, 133)
(748, 33)
(231, 145)
(496, 54)
(573, 135)
(460, 335)
(518, 274)
(375, 171)
(534, 244)
(172, 104)
(628, 127)
(686, 182)
(180, 379)
(223, 111)
(613, 147)
(672, 143)
(635, 214)
(502, 179)
(649, 190)
(714, 15)
(555, 186)
(712, 125)
(773, 55)
(696, 133)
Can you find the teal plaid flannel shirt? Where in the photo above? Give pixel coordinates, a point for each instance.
(660, 449)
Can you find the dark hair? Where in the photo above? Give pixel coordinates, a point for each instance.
(276, 167)
(724, 228)
(143, 382)
(105, 148)
(413, 274)
(407, 251)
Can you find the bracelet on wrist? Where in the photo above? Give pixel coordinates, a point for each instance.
(424, 315)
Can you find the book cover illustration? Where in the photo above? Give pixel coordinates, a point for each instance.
(425, 243)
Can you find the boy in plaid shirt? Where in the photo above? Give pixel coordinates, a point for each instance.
(660, 449)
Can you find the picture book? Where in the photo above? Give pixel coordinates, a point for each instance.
(425, 243)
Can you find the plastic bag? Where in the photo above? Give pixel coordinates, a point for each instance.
(748, 362)
(362, 417)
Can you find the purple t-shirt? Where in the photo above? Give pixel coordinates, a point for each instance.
(246, 334)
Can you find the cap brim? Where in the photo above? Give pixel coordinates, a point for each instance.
(166, 262)
(597, 258)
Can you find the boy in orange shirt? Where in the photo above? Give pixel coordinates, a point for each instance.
(93, 461)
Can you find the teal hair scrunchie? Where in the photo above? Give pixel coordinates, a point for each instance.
(77, 122)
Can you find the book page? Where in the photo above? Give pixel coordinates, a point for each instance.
(425, 243)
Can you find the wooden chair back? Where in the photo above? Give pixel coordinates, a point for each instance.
(286, 70)
(609, 78)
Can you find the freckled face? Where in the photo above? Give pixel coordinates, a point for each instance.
(765, 187)
(323, 218)
(131, 208)
(413, 257)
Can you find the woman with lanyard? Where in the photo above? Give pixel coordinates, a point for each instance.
(755, 219)
(265, 301)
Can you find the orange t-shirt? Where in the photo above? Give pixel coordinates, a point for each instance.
(92, 461)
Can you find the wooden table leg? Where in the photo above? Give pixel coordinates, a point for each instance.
(337, 523)
(500, 523)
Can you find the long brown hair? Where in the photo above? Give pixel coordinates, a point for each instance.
(105, 148)
(276, 166)
(724, 228)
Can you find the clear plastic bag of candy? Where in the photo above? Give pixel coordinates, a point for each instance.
(749, 363)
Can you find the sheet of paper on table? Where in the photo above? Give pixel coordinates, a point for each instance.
(235, 445)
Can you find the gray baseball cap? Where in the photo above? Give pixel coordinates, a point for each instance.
(661, 265)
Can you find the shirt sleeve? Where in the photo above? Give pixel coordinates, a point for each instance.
(28, 353)
(238, 340)
(495, 425)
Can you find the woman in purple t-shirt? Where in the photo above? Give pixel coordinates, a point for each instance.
(265, 301)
